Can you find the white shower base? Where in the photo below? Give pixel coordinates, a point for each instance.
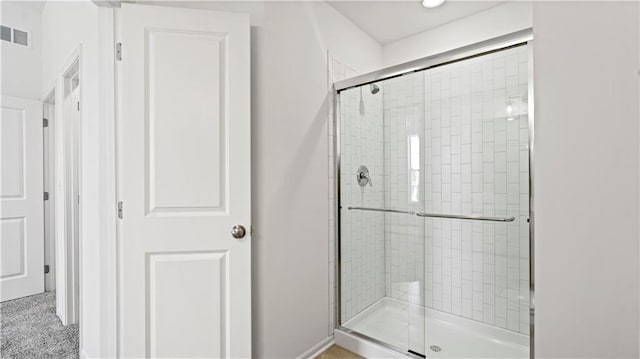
(402, 325)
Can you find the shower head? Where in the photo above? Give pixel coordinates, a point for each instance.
(374, 89)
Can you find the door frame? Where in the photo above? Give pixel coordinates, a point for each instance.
(67, 255)
(73, 183)
(49, 114)
(107, 347)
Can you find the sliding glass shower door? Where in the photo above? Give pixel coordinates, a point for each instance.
(434, 208)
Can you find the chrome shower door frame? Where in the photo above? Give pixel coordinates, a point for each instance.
(515, 39)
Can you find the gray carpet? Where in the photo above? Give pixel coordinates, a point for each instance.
(31, 329)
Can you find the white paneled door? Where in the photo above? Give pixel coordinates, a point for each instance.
(21, 198)
(184, 183)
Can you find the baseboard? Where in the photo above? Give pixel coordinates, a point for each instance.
(315, 350)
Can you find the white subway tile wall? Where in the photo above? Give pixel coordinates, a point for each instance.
(404, 118)
(475, 161)
(362, 245)
(363, 266)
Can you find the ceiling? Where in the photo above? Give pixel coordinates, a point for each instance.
(388, 21)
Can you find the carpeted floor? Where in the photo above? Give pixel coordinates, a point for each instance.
(31, 329)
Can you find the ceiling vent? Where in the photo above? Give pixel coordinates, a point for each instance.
(15, 36)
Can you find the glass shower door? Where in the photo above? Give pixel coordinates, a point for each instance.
(405, 154)
(476, 164)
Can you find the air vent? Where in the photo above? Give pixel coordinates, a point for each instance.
(16, 36)
(20, 37)
(5, 33)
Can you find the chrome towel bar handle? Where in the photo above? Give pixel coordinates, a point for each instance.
(437, 215)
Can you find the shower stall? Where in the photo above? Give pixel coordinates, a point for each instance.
(434, 203)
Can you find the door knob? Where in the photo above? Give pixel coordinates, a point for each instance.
(238, 231)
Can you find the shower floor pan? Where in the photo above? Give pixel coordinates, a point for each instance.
(443, 336)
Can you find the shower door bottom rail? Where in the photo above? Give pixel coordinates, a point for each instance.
(436, 215)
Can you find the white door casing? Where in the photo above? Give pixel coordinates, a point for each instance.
(184, 182)
(65, 133)
(21, 197)
(48, 112)
(67, 161)
(73, 160)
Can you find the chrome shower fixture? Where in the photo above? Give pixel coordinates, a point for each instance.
(374, 89)
(363, 176)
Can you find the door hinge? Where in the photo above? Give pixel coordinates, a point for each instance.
(78, 105)
(46, 196)
(45, 122)
(120, 212)
(46, 268)
(119, 51)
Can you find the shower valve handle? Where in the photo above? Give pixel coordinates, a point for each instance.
(363, 176)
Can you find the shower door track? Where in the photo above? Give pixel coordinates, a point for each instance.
(500, 43)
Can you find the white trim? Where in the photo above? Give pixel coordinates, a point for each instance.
(67, 303)
(363, 347)
(73, 183)
(117, 35)
(49, 112)
(317, 349)
(106, 90)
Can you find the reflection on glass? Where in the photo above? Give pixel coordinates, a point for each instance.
(414, 167)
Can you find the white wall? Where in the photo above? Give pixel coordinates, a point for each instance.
(496, 21)
(586, 179)
(290, 170)
(66, 28)
(21, 65)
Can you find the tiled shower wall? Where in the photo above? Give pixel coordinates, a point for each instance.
(474, 161)
(362, 247)
(404, 235)
(363, 250)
